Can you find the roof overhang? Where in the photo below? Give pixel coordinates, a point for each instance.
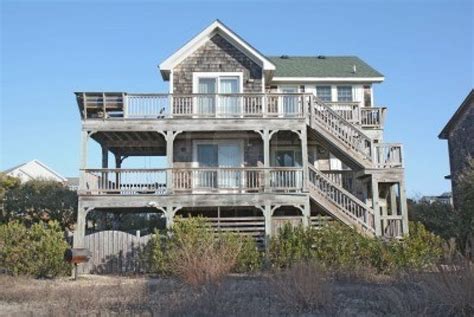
(329, 79)
(217, 27)
(457, 115)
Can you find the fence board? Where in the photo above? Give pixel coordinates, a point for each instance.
(114, 252)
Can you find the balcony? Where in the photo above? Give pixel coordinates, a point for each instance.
(161, 106)
(366, 117)
(169, 181)
(110, 106)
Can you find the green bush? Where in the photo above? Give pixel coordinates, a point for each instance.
(291, 245)
(193, 252)
(250, 258)
(339, 248)
(37, 251)
(420, 250)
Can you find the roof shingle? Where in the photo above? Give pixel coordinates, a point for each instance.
(328, 66)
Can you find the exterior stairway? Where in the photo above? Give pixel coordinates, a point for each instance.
(340, 203)
(340, 136)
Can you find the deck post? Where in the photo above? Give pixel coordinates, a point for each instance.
(83, 162)
(169, 137)
(404, 208)
(375, 205)
(105, 157)
(266, 159)
(267, 214)
(304, 157)
(80, 228)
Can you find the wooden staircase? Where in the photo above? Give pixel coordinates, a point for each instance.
(340, 203)
(339, 135)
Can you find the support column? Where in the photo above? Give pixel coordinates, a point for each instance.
(83, 161)
(169, 214)
(404, 207)
(80, 228)
(169, 137)
(105, 157)
(266, 159)
(375, 205)
(304, 157)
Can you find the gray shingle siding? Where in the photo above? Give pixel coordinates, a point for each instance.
(217, 55)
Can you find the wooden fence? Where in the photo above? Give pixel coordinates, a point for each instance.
(115, 252)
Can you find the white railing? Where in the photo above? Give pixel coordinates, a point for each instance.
(341, 178)
(157, 106)
(124, 181)
(245, 179)
(388, 155)
(372, 117)
(392, 226)
(352, 137)
(347, 110)
(351, 206)
(286, 179)
(155, 181)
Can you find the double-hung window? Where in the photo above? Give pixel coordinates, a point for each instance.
(324, 93)
(344, 93)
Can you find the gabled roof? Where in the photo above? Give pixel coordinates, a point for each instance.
(217, 27)
(36, 162)
(323, 67)
(468, 102)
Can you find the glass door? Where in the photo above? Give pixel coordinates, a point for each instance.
(229, 105)
(289, 102)
(229, 157)
(207, 158)
(206, 104)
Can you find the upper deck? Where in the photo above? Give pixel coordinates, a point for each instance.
(110, 106)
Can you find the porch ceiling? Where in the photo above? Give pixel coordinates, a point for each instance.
(128, 143)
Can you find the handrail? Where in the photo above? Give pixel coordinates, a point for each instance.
(342, 198)
(353, 136)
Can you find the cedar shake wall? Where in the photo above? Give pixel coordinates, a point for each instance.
(217, 55)
(461, 145)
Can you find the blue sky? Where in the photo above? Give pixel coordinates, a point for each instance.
(51, 49)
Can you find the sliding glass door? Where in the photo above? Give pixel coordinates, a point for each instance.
(207, 102)
(229, 105)
(221, 162)
(218, 95)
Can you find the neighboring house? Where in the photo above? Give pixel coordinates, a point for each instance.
(72, 183)
(34, 170)
(444, 198)
(459, 131)
(251, 142)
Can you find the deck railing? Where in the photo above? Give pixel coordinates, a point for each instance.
(347, 203)
(155, 181)
(157, 106)
(388, 155)
(241, 105)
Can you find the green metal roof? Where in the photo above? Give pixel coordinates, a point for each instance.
(322, 66)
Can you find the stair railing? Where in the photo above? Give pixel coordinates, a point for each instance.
(351, 206)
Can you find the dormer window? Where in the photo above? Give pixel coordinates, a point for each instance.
(324, 93)
(344, 93)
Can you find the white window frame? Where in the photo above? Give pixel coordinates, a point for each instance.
(217, 142)
(352, 93)
(217, 76)
(330, 92)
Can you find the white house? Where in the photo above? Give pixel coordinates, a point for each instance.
(34, 170)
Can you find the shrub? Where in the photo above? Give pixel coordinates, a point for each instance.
(341, 249)
(303, 287)
(420, 250)
(291, 245)
(197, 256)
(250, 257)
(37, 251)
